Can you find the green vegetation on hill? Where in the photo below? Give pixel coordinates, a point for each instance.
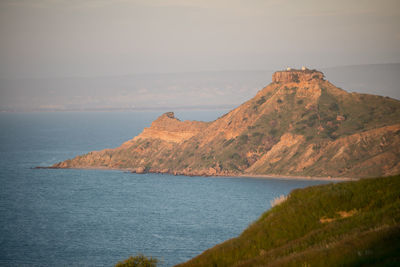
(342, 224)
(307, 127)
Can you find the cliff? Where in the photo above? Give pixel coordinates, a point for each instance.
(296, 76)
(299, 125)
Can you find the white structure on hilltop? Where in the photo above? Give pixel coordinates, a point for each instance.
(303, 68)
(288, 69)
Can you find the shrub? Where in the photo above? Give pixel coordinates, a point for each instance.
(235, 156)
(261, 100)
(313, 117)
(334, 107)
(257, 134)
(243, 139)
(139, 260)
(311, 123)
(273, 132)
(228, 142)
(300, 130)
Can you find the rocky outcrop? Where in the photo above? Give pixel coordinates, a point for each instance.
(170, 129)
(296, 76)
(299, 125)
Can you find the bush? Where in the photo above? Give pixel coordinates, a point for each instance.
(261, 100)
(310, 137)
(228, 142)
(334, 107)
(138, 261)
(235, 156)
(273, 132)
(257, 134)
(243, 139)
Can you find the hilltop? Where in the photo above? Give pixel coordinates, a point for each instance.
(343, 224)
(299, 125)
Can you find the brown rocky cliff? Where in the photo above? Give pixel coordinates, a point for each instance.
(168, 122)
(170, 129)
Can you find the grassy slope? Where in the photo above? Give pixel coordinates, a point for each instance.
(291, 234)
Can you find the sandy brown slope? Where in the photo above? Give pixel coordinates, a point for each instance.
(300, 124)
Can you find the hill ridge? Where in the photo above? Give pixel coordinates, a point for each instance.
(299, 125)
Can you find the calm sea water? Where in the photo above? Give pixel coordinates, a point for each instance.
(96, 218)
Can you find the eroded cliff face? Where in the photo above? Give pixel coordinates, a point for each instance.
(299, 125)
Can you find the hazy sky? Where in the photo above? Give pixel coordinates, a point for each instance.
(58, 38)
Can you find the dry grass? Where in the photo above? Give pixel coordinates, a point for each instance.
(342, 214)
(278, 200)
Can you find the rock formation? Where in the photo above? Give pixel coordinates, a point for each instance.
(293, 75)
(299, 125)
(170, 129)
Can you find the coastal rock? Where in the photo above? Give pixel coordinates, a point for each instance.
(139, 170)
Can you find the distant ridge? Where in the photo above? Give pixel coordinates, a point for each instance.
(193, 90)
(299, 125)
(377, 79)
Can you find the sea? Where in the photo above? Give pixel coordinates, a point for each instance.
(72, 217)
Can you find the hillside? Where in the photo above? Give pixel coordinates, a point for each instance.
(343, 224)
(299, 125)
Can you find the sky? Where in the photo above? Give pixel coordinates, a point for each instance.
(98, 54)
(63, 38)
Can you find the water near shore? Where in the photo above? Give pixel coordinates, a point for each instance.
(98, 217)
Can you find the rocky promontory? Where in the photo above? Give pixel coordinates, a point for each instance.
(299, 125)
(168, 128)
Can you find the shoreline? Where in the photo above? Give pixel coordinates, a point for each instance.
(254, 176)
(274, 176)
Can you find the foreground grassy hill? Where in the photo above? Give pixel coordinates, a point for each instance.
(343, 224)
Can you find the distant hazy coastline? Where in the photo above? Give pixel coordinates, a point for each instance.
(146, 92)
